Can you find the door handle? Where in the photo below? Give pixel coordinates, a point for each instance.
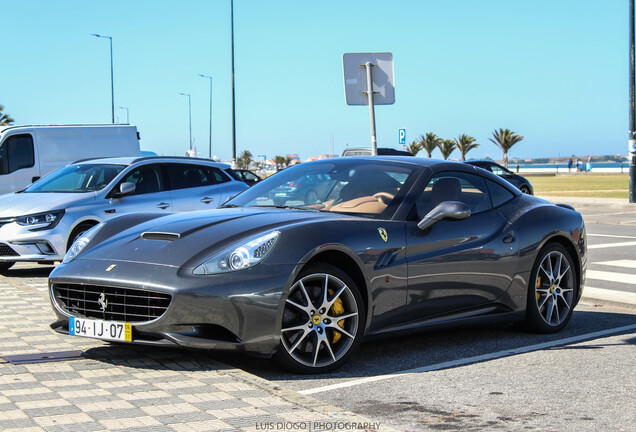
(207, 200)
(510, 237)
(163, 205)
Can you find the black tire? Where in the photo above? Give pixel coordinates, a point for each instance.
(77, 233)
(552, 290)
(4, 266)
(525, 189)
(302, 331)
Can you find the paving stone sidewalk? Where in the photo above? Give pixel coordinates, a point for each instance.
(133, 388)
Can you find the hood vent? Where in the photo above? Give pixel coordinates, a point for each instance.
(160, 236)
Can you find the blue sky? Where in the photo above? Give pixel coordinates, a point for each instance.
(553, 71)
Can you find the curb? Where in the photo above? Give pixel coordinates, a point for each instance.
(590, 202)
(607, 297)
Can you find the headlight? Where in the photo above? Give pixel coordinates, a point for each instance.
(41, 221)
(240, 256)
(81, 243)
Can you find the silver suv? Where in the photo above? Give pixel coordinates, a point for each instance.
(42, 221)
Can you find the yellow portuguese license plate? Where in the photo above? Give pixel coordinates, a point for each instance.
(107, 330)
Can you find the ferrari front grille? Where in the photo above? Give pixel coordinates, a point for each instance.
(111, 303)
(6, 251)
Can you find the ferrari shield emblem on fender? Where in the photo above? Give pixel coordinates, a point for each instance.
(111, 267)
(383, 234)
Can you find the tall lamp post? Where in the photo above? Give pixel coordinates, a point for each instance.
(210, 144)
(233, 108)
(127, 114)
(112, 87)
(189, 116)
(632, 109)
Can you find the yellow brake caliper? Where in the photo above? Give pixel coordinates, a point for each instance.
(538, 286)
(337, 309)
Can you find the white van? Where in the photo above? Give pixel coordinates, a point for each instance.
(30, 152)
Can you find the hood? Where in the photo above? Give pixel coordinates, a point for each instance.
(187, 239)
(21, 204)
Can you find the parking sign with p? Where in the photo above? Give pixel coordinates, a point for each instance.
(402, 136)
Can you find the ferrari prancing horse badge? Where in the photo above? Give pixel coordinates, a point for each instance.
(383, 234)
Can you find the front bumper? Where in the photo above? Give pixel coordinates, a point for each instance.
(22, 243)
(238, 311)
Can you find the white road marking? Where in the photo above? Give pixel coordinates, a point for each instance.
(611, 236)
(610, 245)
(619, 263)
(609, 295)
(469, 360)
(610, 276)
(611, 214)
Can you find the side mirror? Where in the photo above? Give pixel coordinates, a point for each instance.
(453, 210)
(125, 188)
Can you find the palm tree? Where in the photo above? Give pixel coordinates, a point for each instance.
(414, 148)
(446, 147)
(464, 144)
(5, 119)
(429, 142)
(505, 139)
(287, 161)
(244, 159)
(279, 161)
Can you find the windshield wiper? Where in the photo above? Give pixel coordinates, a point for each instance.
(286, 207)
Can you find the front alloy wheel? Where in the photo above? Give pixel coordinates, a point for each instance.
(552, 294)
(322, 321)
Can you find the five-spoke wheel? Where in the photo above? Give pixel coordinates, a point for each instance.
(322, 320)
(552, 290)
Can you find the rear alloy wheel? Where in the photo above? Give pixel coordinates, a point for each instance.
(322, 322)
(525, 189)
(552, 290)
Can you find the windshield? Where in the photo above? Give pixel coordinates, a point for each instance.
(363, 187)
(77, 178)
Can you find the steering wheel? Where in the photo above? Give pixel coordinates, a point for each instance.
(383, 197)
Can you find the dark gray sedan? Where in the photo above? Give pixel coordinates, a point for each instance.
(393, 244)
(522, 183)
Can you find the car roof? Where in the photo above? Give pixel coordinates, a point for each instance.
(130, 160)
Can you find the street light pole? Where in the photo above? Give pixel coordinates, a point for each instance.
(632, 109)
(112, 87)
(233, 97)
(189, 116)
(127, 116)
(210, 144)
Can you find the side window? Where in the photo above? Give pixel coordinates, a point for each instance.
(496, 170)
(16, 153)
(498, 194)
(147, 179)
(249, 176)
(454, 186)
(185, 176)
(219, 176)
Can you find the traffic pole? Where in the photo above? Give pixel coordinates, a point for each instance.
(632, 110)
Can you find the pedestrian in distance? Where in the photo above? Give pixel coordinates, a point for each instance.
(569, 164)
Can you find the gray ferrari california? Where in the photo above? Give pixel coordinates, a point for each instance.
(374, 246)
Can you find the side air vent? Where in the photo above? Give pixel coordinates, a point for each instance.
(386, 259)
(160, 236)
